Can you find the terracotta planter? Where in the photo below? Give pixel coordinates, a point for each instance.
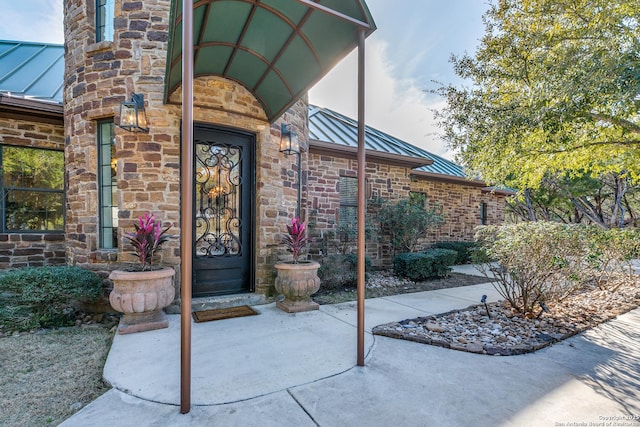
(141, 296)
(297, 282)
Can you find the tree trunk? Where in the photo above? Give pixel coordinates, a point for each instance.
(529, 204)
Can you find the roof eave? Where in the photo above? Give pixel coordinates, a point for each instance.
(333, 149)
(31, 109)
(448, 178)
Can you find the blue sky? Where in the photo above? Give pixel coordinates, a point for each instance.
(411, 47)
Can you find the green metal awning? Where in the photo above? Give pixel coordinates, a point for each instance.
(277, 49)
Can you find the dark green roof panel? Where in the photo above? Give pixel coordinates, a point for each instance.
(175, 56)
(229, 29)
(266, 34)
(198, 21)
(273, 91)
(328, 38)
(297, 65)
(292, 10)
(246, 68)
(175, 74)
(212, 59)
(349, 8)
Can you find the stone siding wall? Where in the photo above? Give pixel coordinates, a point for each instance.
(98, 77)
(461, 207)
(31, 249)
(26, 133)
(460, 203)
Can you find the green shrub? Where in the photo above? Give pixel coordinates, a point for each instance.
(535, 262)
(16, 317)
(424, 265)
(405, 222)
(339, 271)
(344, 237)
(40, 296)
(464, 250)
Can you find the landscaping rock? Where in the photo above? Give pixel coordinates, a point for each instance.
(434, 327)
(510, 333)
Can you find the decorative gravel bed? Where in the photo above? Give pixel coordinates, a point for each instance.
(504, 333)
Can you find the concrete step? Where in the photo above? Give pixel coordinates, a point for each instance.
(223, 301)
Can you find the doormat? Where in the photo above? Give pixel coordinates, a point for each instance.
(223, 313)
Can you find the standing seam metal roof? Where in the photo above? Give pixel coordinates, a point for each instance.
(328, 126)
(32, 70)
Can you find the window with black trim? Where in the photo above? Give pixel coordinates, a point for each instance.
(107, 182)
(32, 189)
(104, 20)
(348, 201)
(418, 198)
(483, 213)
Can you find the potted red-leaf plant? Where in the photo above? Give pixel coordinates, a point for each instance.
(297, 279)
(143, 291)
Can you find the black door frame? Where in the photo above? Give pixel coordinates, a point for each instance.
(251, 136)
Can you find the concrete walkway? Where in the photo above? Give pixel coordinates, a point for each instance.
(279, 369)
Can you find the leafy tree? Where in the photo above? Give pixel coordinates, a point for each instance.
(555, 91)
(546, 203)
(607, 201)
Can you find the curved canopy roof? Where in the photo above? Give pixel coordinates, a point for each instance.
(277, 49)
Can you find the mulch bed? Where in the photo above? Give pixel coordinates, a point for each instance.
(384, 284)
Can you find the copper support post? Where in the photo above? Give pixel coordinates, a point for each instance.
(362, 208)
(186, 203)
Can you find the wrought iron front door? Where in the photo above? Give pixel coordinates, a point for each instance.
(224, 181)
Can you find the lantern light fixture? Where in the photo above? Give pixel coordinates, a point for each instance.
(289, 143)
(132, 115)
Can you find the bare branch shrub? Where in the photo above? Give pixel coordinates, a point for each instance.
(544, 261)
(522, 263)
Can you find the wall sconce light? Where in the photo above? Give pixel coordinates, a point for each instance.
(132, 115)
(288, 140)
(289, 144)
